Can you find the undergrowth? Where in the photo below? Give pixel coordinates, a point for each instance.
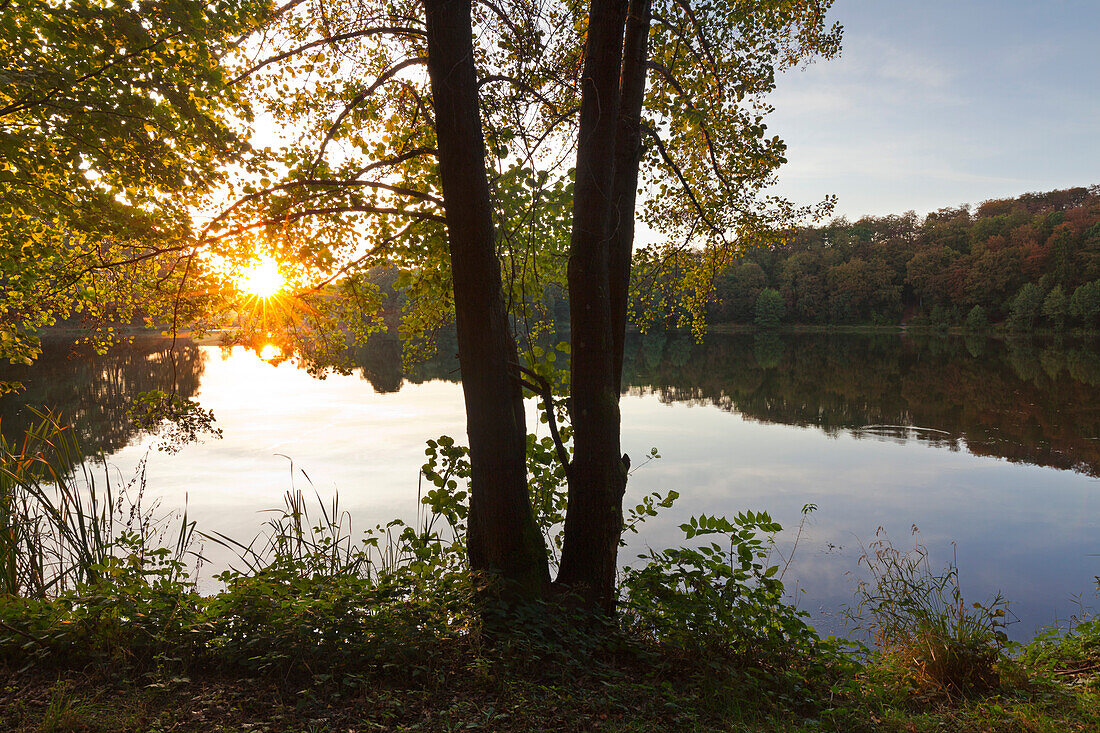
(99, 595)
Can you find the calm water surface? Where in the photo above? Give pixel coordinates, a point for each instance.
(990, 449)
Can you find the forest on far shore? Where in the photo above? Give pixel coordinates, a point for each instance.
(1032, 262)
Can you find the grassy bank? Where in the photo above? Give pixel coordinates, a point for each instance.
(621, 685)
(101, 629)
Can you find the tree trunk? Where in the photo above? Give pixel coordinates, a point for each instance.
(597, 477)
(502, 537)
(628, 155)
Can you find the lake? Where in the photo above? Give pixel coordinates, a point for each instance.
(989, 448)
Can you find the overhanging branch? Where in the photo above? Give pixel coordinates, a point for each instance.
(305, 213)
(358, 99)
(683, 181)
(361, 33)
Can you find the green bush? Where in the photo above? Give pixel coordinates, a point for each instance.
(1055, 308)
(721, 600)
(1026, 308)
(1067, 652)
(1084, 305)
(976, 320)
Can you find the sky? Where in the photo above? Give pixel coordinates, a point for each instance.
(936, 103)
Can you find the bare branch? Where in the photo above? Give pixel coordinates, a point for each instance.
(361, 33)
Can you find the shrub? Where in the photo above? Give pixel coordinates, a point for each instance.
(925, 630)
(718, 599)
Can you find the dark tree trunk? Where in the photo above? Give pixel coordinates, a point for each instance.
(502, 535)
(628, 155)
(597, 477)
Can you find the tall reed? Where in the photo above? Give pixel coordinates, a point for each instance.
(65, 521)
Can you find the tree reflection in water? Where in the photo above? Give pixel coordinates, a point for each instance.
(94, 392)
(1024, 400)
(1027, 401)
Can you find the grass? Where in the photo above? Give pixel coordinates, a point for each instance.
(483, 699)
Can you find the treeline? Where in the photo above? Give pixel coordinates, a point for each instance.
(1028, 262)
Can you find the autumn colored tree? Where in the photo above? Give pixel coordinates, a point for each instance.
(870, 270)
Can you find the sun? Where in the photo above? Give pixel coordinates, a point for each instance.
(262, 279)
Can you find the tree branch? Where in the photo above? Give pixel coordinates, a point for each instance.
(542, 388)
(683, 181)
(400, 190)
(386, 76)
(26, 102)
(711, 153)
(296, 215)
(346, 268)
(361, 33)
(686, 7)
(396, 159)
(519, 84)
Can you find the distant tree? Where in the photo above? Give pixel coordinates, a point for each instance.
(876, 268)
(1055, 307)
(940, 318)
(735, 292)
(1084, 306)
(770, 309)
(977, 320)
(927, 271)
(1026, 308)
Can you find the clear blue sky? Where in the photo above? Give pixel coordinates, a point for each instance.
(936, 103)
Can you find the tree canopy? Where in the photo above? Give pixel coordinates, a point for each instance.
(358, 185)
(935, 270)
(115, 122)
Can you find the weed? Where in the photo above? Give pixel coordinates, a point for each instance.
(926, 631)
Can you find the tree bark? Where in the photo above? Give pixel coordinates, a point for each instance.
(628, 156)
(597, 476)
(502, 537)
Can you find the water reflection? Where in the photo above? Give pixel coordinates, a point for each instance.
(1023, 400)
(1026, 401)
(93, 392)
(888, 405)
